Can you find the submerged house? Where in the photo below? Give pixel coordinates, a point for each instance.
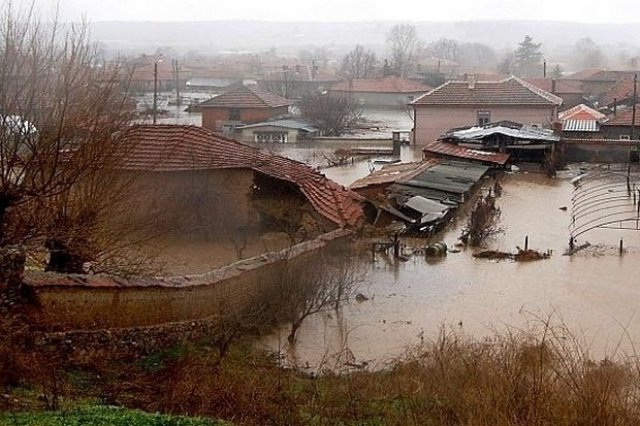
(523, 143)
(420, 194)
(201, 184)
(286, 130)
(477, 103)
(241, 106)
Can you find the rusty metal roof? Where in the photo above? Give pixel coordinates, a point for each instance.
(393, 173)
(452, 150)
(176, 148)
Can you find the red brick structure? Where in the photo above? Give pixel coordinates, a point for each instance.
(239, 106)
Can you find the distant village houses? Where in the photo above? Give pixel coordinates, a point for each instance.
(390, 91)
(241, 106)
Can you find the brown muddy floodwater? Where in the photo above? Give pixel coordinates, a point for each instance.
(595, 293)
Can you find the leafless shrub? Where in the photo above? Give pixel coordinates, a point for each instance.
(314, 284)
(333, 115)
(483, 222)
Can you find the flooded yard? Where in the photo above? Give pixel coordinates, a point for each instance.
(595, 293)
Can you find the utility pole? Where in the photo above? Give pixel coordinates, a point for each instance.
(633, 110)
(155, 91)
(176, 71)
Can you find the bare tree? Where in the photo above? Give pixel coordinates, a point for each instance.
(359, 63)
(61, 113)
(588, 54)
(403, 43)
(444, 48)
(483, 222)
(333, 115)
(313, 285)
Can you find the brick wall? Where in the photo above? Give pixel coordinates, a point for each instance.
(62, 302)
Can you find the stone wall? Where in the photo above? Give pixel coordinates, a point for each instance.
(596, 150)
(72, 302)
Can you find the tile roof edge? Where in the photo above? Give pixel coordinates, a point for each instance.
(536, 90)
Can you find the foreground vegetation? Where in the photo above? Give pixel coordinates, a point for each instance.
(98, 416)
(544, 378)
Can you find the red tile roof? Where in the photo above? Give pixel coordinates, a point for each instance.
(510, 91)
(174, 148)
(246, 97)
(624, 118)
(620, 92)
(451, 150)
(389, 84)
(581, 112)
(599, 75)
(564, 87)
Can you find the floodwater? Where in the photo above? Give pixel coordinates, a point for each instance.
(595, 293)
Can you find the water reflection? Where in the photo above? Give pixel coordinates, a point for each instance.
(595, 293)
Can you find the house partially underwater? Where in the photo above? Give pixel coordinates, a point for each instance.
(422, 195)
(204, 184)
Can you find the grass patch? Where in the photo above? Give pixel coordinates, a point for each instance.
(99, 416)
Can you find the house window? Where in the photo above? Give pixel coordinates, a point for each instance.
(484, 118)
(625, 137)
(234, 114)
(270, 137)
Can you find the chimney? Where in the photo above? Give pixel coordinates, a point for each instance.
(553, 86)
(472, 82)
(615, 106)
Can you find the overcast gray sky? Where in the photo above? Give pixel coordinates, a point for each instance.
(609, 11)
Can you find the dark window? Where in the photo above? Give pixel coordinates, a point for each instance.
(234, 114)
(484, 118)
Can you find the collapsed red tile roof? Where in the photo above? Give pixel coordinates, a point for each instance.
(174, 148)
(510, 91)
(389, 84)
(246, 97)
(451, 150)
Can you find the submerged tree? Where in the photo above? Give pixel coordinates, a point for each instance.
(62, 110)
(314, 285)
(333, 115)
(483, 222)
